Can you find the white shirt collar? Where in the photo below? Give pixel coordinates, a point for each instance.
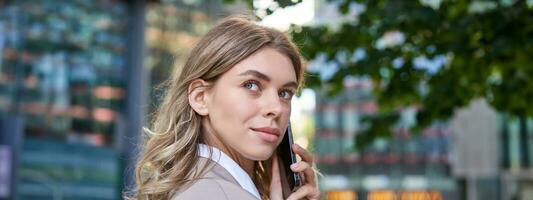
(231, 166)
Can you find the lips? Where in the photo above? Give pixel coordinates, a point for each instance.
(267, 134)
(272, 131)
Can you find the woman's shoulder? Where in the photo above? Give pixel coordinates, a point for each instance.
(212, 188)
(204, 188)
(216, 183)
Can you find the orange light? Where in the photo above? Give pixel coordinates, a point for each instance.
(80, 112)
(104, 115)
(108, 92)
(421, 195)
(341, 195)
(382, 195)
(435, 195)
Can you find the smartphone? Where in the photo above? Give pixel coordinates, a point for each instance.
(287, 157)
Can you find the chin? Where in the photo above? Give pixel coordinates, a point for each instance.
(260, 154)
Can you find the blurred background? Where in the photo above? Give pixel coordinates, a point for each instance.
(404, 99)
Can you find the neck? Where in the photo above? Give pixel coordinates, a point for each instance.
(212, 139)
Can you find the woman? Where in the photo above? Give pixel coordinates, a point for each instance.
(216, 132)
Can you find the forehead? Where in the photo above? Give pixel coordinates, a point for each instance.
(268, 61)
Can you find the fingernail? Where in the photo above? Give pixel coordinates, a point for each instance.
(294, 166)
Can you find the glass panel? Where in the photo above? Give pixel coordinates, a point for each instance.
(63, 67)
(514, 144)
(350, 120)
(529, 143)
(330, 117)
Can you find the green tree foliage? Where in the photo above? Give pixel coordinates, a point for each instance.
(486, 46)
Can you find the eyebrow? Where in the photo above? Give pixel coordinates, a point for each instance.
(265, 77)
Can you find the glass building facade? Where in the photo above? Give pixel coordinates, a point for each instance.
(404, 166)
(517, 151)
(62, 66)
(72, 74)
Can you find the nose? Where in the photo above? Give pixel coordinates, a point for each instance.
(273, 105)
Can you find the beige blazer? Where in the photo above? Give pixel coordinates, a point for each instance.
(217, 183)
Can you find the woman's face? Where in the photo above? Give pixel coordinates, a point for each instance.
(249, 106)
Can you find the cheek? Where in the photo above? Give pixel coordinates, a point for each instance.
(287, 112)
(285, 118)
(233, 108)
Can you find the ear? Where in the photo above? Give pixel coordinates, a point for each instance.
(198, 97)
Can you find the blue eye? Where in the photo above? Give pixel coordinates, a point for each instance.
(285, 94)
(251, 85)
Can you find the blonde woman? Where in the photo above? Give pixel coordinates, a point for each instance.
(216, 132)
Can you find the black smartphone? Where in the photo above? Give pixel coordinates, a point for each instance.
(287, 157)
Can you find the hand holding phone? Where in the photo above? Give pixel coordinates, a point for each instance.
(287, 157)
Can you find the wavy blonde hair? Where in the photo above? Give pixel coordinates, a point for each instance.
(169, 157)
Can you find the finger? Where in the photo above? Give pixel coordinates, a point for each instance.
(308, 171)
(306, 191)
(306, 156)
(275, 183)
(302, 177)
(300, 166)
